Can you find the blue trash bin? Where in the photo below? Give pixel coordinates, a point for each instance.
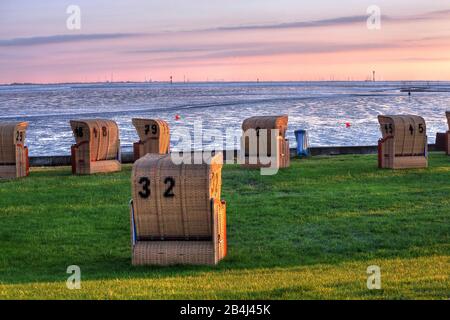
(302, 143)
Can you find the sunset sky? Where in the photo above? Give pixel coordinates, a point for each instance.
(232, 40)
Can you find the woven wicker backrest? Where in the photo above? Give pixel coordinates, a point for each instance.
(174, 201)
(151, 128)
(448, 118)
(267, 122)
(102, 136)
(11, 134)
(409, 133)
(155, 135)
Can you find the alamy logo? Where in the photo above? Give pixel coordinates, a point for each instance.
(374, 278)
(74, 280)
(374, 19)
(73, 22)
(258, 147)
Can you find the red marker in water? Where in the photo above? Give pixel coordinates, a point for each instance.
(348, 124)
(177, 117)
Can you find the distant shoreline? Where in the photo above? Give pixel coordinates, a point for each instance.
(227, 82)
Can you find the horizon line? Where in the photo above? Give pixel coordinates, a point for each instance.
(205, 81)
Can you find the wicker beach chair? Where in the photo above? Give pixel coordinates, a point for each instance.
(13, 152)
(404, 143)
(443, 138)
(97, 147)
(253, 154)
(177, 216)
(447, 135)
(154, 137)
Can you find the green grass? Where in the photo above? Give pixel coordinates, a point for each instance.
(308, 232)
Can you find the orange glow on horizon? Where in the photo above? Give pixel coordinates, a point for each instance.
(342, 52)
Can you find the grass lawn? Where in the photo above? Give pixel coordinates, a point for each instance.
(309, 232)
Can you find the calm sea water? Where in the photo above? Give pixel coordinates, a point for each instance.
(321, 108)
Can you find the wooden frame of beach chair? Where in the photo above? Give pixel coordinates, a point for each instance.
(404, 143)
(97, 148)
(447, 134)
(154, 135)
(14, 161)
(252, 157)
(176, 213)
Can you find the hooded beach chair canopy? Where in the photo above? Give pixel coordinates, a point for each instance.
(252, 151)
(13, 152)
(101, 135)
(267, 122)
(11, 134)
(97, 147)
(177, 216)
(404, 143)
(154, 135)
(408, 131)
